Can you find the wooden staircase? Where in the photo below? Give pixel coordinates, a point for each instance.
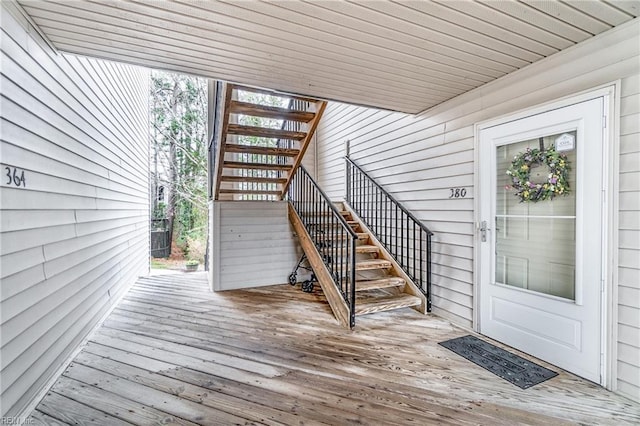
(257, 162)
(381, 284)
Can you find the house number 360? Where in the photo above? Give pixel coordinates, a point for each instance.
(457, 192)
(15, 176)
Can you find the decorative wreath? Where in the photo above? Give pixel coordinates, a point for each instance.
(539, 174)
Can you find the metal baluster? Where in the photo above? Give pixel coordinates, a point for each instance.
(413, 275)
(421, 264)
(352, 279)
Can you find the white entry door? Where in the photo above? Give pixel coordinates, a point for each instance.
(541, 267)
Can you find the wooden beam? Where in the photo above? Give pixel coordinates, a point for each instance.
(253, 179)
(267, 111)
(261, 150)
(255, 166)
(265, 132)
(223, 136)
(335, 299)
(304, 144)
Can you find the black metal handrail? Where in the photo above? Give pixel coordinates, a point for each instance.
(330, 233)
(402, 234)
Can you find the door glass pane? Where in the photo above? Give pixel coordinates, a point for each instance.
(536, 241)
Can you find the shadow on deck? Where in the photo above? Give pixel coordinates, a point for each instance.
(174, 353)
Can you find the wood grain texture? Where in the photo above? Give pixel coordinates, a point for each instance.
(174, 353)
(264, 132)
(267, 111)
(256, 166)
(337, 303)
(386, 303)
(260, 150)
(306, 141)
(252, 179)
(226, 95)
(248, 191)
(364, 265)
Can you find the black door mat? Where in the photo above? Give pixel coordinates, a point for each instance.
(511, 367)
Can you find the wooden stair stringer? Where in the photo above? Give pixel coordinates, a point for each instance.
(410, 287)
(304, 143)
(333, 296)
(221, 135)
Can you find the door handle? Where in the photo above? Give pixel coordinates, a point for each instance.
(483, 231)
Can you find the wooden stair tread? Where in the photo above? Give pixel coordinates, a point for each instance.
(386, 303)
(366, 248)
(257, 166)
(255, 110)
(360, 235)
(333, 224)
(364, 265)
(252, 179)
(273, 93)
(323, 213)
(264, 132)
(388, 282)
(248, 191)
(261, 150)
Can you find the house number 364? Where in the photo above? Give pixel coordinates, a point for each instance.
(15, 176)
(457, 192)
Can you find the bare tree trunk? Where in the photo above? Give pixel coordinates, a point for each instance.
(155, 182)
(173, 167)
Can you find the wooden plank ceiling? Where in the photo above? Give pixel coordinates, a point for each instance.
(400, 55)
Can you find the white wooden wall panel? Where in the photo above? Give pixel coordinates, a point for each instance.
(309, 159)
(418, 158)
(629, 239)
(255, 245)
(77, 235)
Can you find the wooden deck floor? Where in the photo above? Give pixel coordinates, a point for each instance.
(174, 353)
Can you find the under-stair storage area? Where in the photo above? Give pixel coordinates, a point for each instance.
(253, 244)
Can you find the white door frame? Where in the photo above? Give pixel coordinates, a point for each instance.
(609, 325)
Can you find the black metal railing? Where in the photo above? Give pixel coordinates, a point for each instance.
(330, 233)
(401, 233)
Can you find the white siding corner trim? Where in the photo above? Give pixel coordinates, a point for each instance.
(75, 232)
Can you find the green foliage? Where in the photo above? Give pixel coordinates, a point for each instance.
(159, 210)
(555, 182)
(155, 264)
(178, 106)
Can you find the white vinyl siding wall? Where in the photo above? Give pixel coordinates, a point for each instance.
(77, 235)
(419, 158)
(629, 240)
(253, 244)
(309, 159)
